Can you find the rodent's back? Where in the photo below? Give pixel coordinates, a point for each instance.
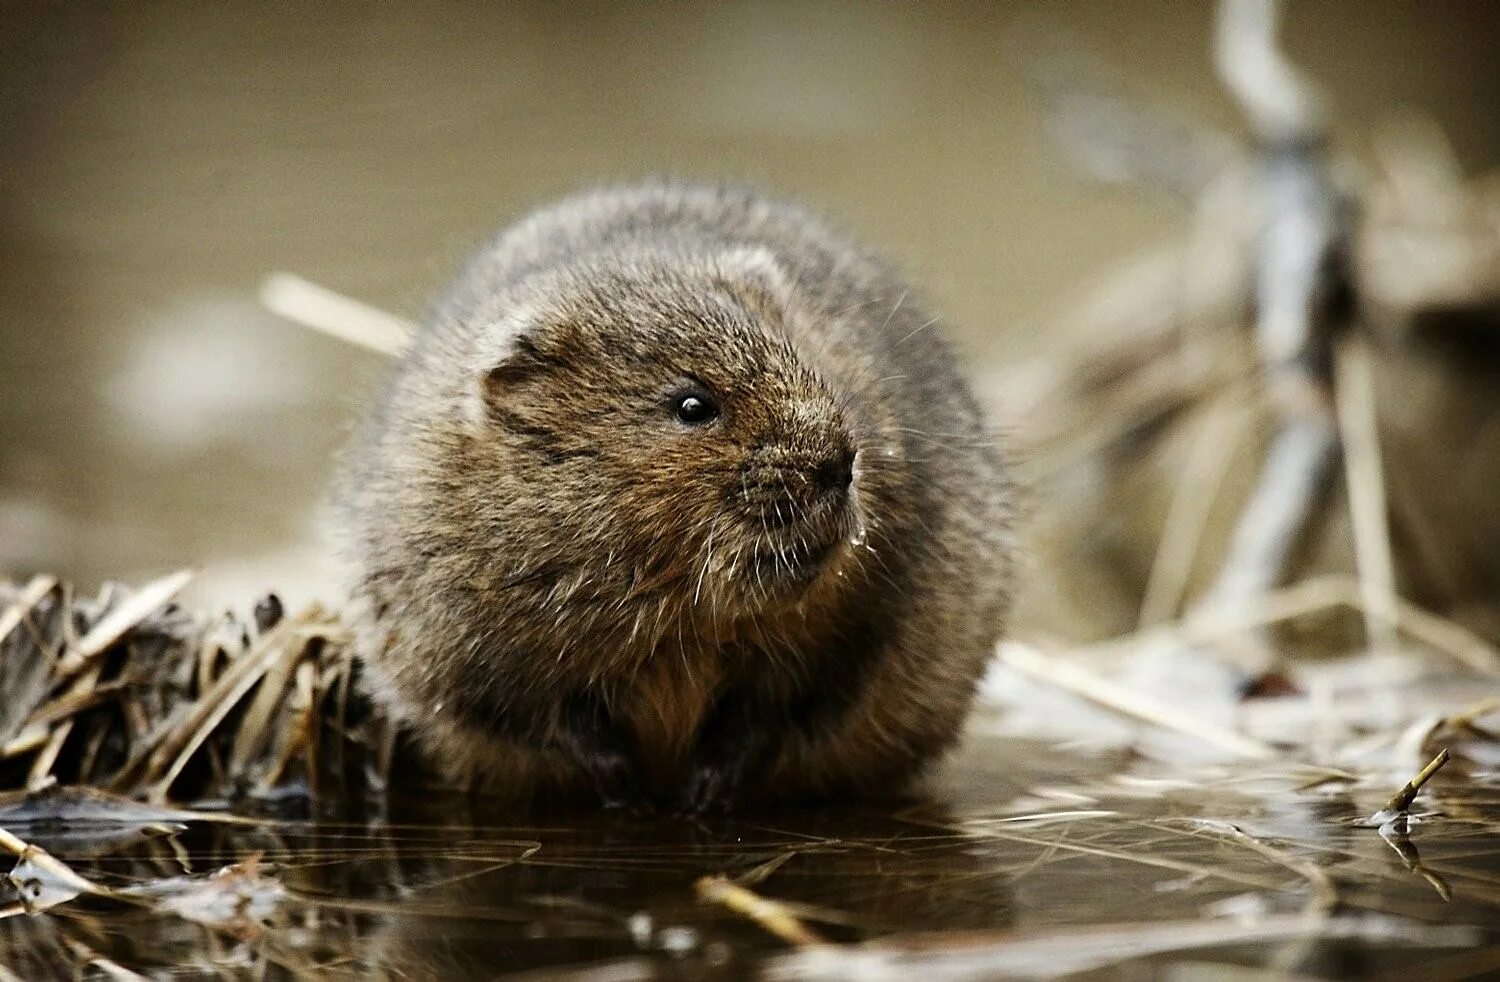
(894, 642)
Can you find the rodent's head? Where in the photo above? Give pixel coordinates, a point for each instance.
(649, 434)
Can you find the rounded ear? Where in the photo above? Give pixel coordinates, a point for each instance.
(512, 351)
(509, 364)
(755, 275)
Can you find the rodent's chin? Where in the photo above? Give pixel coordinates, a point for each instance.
(793, 564)
(781, 577)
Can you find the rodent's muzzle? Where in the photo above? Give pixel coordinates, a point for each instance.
(783, 490)
(799, 509)
(837, 472)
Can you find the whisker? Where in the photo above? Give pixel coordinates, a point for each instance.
(918, 330)
(892, 314)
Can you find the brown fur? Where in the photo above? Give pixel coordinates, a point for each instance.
(538, 541)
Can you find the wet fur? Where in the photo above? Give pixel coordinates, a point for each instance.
(564, 590)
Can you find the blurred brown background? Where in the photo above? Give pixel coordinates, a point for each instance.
(157, 160)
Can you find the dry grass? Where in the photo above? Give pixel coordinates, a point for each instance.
(128, 692)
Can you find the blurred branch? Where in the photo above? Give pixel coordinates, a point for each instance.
(1281, 104)
(1301, 295)
(1068, 674)
(1222, 432)
(334, 314)
(1366, 488)
(1284, 252)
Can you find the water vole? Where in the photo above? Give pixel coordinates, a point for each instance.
(680, 498)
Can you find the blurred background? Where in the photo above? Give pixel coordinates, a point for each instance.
(157, 160)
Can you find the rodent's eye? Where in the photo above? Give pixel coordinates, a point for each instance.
(695, 408)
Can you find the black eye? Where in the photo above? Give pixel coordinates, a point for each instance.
(696, 408)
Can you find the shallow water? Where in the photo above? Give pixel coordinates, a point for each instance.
(1006, 861)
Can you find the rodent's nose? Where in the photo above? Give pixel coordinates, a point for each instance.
(837, 472)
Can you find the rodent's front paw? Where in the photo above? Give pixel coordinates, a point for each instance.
(613, 777)
(712, 788)
(593, 740)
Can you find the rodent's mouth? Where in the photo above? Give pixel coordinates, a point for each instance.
(806, 540)
(796, 564)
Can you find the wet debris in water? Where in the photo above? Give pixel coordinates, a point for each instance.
(42, 882)
(775, 917)
(1059, 953)
(239, 899)
(1397, 812)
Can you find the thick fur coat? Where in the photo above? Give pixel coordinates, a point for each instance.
(678, 498)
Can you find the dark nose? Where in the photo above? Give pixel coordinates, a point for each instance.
(837, 472)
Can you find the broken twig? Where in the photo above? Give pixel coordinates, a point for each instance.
(769, 914)
(1400, 802)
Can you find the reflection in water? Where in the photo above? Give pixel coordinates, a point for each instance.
(440, 890)
(615, 889)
